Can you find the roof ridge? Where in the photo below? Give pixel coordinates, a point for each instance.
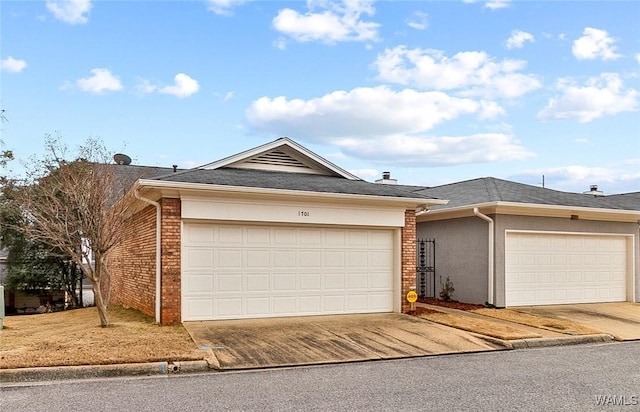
(493, 191)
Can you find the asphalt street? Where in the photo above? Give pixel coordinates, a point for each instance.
(593, 377)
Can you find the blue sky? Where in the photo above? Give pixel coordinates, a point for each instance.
(432, 91)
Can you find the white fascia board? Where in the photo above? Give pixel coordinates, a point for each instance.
(283, 141)
(184, 187)
(534, 209)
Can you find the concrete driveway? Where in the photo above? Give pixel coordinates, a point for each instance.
(620, 320)
(260, 343)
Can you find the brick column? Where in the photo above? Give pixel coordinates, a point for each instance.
(408, 260)
(170, 261)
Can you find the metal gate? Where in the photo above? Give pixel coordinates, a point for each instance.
(426, 269)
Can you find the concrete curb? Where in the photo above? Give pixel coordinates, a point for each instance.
(563, 341)
(101, 371)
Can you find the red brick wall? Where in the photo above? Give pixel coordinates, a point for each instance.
(171, 249)
(408, 260)
(133, 264)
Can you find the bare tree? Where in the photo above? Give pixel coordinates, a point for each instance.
(76, 206)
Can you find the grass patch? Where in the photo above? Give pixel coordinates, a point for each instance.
(480, 326)
(75, 338)
(554, 325)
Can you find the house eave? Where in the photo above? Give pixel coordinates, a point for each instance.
(534, 209)
(158, 189)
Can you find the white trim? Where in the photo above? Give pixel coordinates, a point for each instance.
(283, 141)
(292, 212)
(533, 209)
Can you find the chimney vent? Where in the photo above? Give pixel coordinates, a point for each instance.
(593, 190)
(386, 179)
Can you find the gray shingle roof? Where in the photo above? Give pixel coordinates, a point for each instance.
(128, 174)
(489, 189)
(288, 181)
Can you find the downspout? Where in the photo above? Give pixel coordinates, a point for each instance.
(491, 247)
(158, 250)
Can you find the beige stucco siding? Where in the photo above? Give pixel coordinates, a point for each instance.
(461, 254)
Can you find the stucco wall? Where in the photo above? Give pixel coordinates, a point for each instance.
(509, 222)
(461, 254)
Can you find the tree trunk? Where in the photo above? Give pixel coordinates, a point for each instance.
(100, 304)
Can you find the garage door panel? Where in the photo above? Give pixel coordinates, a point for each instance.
(542, 268)
(243, 271)
(310, 282)
(334, 281)
(258, 306)
(197, 283)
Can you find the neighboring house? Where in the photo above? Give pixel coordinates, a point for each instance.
(273, 231)
(17, 301)
(511, 244)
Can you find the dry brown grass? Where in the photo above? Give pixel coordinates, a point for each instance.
(555, 325)
(480, 326)
(76, 338)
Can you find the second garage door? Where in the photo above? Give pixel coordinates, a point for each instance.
(253, 271)
(547, 268)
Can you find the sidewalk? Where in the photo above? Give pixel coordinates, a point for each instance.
(510, 334)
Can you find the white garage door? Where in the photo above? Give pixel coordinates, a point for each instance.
(543, 269)
(245, 271)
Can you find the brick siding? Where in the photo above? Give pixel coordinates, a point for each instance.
(132, 264)
(408, 259)
(171, 264)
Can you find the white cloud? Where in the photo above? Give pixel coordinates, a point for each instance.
(419, 20)
(332, 22)
(184, 86)
(578, 178)
(497, 4)
(471, 73)
(101, 80)
(12, 65)
(582, 140)
(638, 58)
(417, 151)
(363, 112)
(518, 38)
(600, 96)
(145, 86)
(593, 44)
(224, 7)
(365, 174)
(70, 11)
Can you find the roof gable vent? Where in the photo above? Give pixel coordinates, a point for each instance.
(281, 159)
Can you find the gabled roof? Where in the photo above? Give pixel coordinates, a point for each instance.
(491, 190)
(279, 168)
(283, 155)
